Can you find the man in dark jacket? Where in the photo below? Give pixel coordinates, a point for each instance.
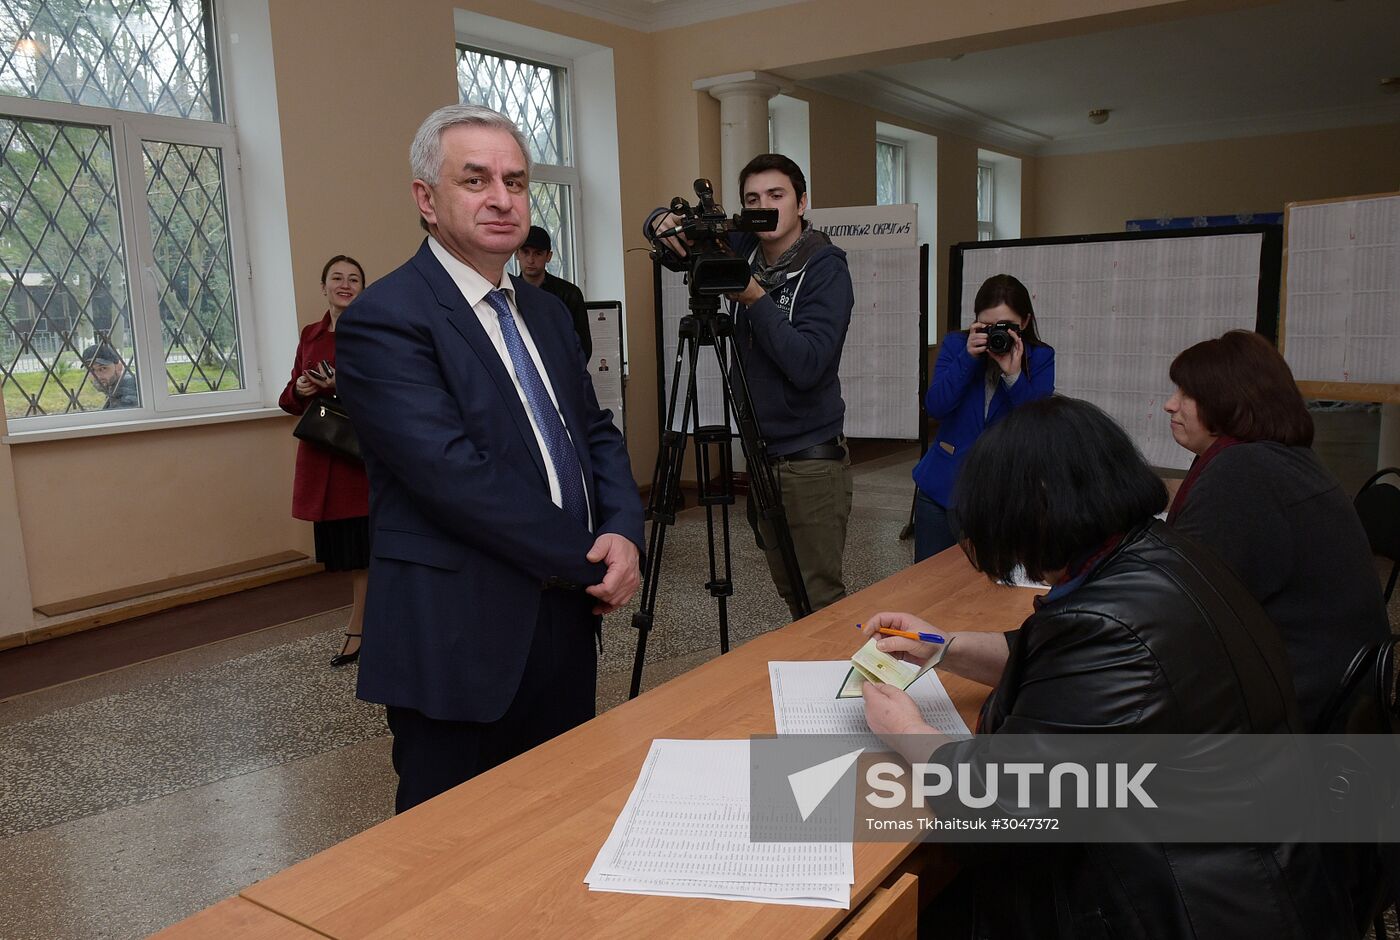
(108, 372)
(532, 257)
(790, 326)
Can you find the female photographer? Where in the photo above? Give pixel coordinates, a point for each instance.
(1258, 496)
(983, 374)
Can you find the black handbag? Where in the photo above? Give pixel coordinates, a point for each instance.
(326, 425)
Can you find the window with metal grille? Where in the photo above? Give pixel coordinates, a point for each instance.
(889, 173)
(985, 219)
(120, 233)
(535, 95)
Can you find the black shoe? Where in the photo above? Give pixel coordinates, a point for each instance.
(343, 658)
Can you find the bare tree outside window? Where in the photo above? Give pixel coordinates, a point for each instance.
(154, 57)
(889, 173)
(985, 218)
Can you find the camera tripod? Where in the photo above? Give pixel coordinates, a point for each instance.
(705, 326)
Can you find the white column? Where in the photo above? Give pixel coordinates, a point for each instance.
(743, 117)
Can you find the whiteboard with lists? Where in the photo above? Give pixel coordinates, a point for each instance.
(1342, 290)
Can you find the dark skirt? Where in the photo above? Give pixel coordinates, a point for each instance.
(343, 544)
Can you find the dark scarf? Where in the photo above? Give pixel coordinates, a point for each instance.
(770, 276)
(1197, 466)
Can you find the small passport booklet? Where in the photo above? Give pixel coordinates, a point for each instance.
(869, 664)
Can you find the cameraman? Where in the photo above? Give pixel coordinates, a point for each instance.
(974, 386)
(789, 326)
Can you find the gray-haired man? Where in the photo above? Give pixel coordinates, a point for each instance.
(505, 518)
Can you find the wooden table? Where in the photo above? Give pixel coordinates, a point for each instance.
(505, 853)
(239, 918)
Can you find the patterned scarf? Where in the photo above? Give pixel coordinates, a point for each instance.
(797, 255)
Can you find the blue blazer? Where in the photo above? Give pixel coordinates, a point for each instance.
(464, 535)
(956, 398)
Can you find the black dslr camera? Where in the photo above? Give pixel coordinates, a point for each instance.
(709, 265)
(999, 337)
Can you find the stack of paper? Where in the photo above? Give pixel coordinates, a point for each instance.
(685, 833)
(804, 702)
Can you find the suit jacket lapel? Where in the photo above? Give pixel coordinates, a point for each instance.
(464, 320)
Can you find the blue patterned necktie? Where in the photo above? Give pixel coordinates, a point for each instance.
(556, 439)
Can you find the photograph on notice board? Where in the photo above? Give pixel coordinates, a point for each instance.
(605, 365)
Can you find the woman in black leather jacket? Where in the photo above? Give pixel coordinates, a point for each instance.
(1142, 631)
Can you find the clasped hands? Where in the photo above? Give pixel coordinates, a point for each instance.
(623, 575)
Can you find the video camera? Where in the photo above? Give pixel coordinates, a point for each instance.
(711, 268)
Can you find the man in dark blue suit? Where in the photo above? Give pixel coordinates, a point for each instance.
(504, 517)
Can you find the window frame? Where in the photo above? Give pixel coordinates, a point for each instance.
(901, 171)
(567, 175)
(128, 130)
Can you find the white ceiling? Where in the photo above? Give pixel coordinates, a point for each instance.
(1294, 65)
(1289, 66)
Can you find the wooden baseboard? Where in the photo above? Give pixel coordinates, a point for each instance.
(89, 601)
(179, 595)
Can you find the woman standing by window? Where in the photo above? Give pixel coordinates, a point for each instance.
(330, 490)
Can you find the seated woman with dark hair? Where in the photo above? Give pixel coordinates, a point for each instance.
(1142, 632)
(1258, 496)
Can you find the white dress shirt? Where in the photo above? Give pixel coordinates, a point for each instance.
(474, 289)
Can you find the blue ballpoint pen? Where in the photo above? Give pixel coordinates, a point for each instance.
(911, 635)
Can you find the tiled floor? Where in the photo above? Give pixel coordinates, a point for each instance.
(135, 798)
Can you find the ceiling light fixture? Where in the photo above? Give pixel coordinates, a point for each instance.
(1099, 115)
(1391, 86)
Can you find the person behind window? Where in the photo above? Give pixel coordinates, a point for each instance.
(973, 388)
(109, 374)
(1258, 496)
(1144, 631)
(532, 257)
(331, 490)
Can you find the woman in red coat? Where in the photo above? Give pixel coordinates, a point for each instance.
(331, 491)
